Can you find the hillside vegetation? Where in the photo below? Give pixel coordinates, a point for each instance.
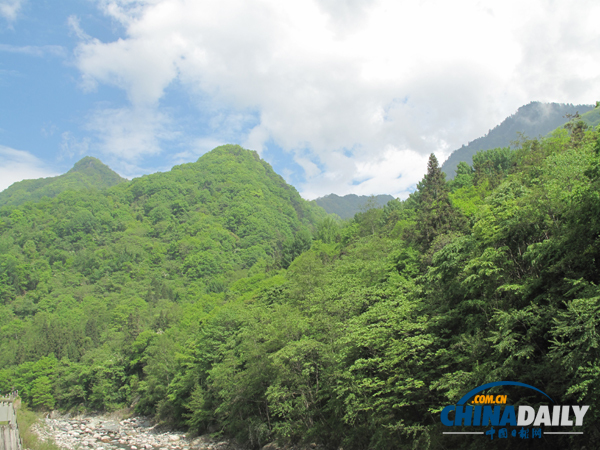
(591, 118)
(88, 173)
(215, 299)
(533, 120)
(348, 205)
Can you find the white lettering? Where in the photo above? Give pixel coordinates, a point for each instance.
(555, 416)
(526, 416)
(543, 417)
(565, 422)
(579, 413)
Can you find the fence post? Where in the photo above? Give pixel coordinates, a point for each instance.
(9, 434)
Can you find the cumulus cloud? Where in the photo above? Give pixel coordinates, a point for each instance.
(359, 92)
(17, 165)
(10, 8)
(130, 132)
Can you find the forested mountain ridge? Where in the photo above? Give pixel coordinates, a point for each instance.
(85, 274)
(532, 120)
(353, 335)
(87, 173)
(348, 205)
(230, 206)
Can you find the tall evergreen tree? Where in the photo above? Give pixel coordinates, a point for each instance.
(435, 213)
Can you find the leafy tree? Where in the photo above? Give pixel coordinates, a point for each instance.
(328, 231)
(492, 166)
(293, 247)
(463, 177)
(41, 393)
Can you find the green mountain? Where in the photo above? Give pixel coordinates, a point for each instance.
(348, 205)
(214, 299)
(88, 173)
(532, 120)
(217, 217)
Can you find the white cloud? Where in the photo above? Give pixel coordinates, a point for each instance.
(196, 149)
(71, 146)
(17, 165)
(387, 81)
(10, 8)
(392, 171)
(76, 30)
(128, 133)
(34, 50)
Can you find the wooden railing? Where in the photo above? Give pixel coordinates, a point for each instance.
(9, 429)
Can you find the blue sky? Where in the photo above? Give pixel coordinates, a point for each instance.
(339, 96)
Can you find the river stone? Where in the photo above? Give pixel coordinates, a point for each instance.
(144, 424)
(110, 426)
(271, 446)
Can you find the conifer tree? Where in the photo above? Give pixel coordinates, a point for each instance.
(435, 213)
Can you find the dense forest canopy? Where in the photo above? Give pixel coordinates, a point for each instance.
(214, 298)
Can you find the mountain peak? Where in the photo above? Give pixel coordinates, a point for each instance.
(93, 167)
(86, 163)
(87, 173)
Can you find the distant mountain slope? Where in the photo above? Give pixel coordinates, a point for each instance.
(592, 118)
(348, 205)
(86, 173)
(533, 120)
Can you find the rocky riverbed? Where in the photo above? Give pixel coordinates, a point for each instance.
(104, 433)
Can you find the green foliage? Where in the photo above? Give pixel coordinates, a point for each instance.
(469, 199)
(463, 177)
(293, 247)
(41, 393)
(435, 213)
(88, 278)
(576, 348)
(207, 303)
(26, 419)
(533, 120)
(328, 231)
(88, 173)
(383, 383)
(492, 166)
